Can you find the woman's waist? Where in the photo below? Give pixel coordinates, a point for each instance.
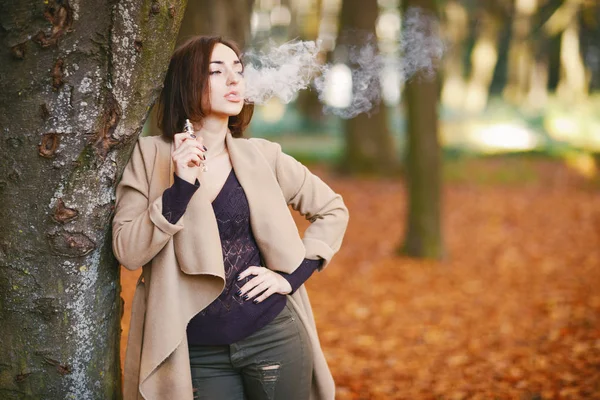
(218, 324)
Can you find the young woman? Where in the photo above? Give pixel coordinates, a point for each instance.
(220, 311)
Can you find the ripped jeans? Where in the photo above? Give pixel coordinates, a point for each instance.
(274, 363)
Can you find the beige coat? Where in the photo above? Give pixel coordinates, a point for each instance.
(182, 263)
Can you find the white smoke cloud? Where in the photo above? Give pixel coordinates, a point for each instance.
(365, 67)
(421, 47)
(284, 70)
(281, 72)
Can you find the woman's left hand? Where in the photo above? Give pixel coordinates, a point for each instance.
(266, 281)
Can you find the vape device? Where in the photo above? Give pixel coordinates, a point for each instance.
(189, 128)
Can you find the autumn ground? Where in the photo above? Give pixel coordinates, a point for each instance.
(513, 312)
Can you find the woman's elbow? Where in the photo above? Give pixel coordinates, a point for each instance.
(124, 258)
(129, 258)
(342, 212)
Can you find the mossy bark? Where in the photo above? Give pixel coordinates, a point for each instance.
(76, 81)
(423, 163)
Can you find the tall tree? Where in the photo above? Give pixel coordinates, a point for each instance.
(530, 50)
(574, 78)
(76, 82)
(423, 160)
(484, 55)
(308, 103)
(369, 145)
(456, 32)
(230, 18)
(590, 33)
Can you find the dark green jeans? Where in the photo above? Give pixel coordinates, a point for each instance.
(274, 363)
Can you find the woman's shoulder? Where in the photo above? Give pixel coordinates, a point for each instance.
(158, 140)
(266, 146)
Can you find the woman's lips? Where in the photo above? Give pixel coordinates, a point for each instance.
(234, 97)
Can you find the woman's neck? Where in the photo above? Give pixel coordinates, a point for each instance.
(213, 131)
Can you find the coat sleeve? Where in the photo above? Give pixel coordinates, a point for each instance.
(139, 230)
(317, 202)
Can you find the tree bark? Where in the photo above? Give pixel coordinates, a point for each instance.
(76, 82)
(423, 163)
(370, 147)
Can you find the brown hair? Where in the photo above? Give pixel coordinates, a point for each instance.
(186, 87)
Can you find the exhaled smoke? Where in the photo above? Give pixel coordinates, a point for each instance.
(354, 85)
(420, 44)
(364, 66)
(281, 72)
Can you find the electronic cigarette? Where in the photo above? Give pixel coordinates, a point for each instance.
(189, 128)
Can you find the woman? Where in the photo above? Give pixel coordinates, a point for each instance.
(221, 312)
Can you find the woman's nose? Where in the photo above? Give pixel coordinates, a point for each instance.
(233, 77)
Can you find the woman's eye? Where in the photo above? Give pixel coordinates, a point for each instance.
(241, 73)
(215, 72)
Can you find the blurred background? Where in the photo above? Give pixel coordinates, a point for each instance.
(516, 75)
(470, 268)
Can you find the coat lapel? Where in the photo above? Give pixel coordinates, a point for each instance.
(198, 245)
(272, 224)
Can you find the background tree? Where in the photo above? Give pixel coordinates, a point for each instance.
(484, 55)
(229, 18)
(456, 31)
(573, 84)
(590, 41)
(520, 51)
(423, 161)
(76, 82)
(369, 146)
(308, 103)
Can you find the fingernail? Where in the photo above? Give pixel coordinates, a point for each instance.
(239, 292)
(255, 301)
(203, 157)
(239, 278)
(204, 147)
(245, 296)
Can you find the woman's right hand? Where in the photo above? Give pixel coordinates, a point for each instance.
(187, 156)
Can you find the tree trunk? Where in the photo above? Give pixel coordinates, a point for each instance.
(76, 80)
(230, 18)
(208, 17)
(484, 58)
(590, 35)
(308, 103)
(370, 147)
(423, 163)
(456, 32)
(573, 83)
(521, 62)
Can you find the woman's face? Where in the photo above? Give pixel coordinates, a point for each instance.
(227, 85)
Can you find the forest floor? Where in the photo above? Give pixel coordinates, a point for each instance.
(512, 312)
